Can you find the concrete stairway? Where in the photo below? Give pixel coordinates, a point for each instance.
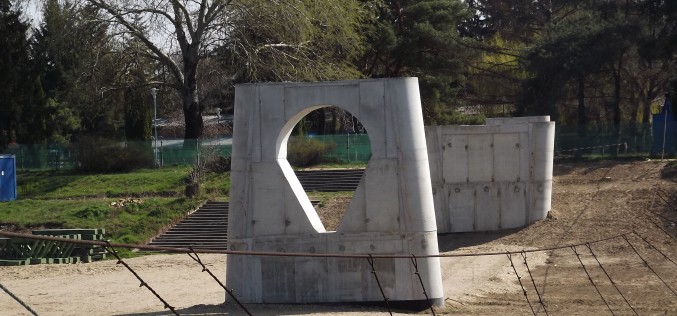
(206, 228)
(330, 180)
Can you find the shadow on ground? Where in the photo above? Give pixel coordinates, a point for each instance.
(453, 241)
(272, 309)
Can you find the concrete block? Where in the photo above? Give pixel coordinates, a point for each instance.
(513, 203)
(481, 158)
(372, 106)
(507, 158)
(440, 200)
(541, 200)
(268, 182)
(273, 119)
(354, 219)
(278, 278)
(382, 210)
(487, 207)
(455, 165)
(516, 120)
(461, 208)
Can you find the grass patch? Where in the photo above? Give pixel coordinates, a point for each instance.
(64, 185)
(133, 223)
(69, 199)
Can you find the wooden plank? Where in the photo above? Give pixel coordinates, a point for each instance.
(5, 262)
(69, 231)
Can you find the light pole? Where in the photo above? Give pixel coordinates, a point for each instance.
(153, 91)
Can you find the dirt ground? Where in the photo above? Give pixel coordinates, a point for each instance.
(591, 202)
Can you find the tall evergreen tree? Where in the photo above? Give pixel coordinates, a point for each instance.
(14, 79)
(420, 38)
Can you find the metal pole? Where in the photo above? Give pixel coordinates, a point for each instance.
(153, 91)
(665, 131)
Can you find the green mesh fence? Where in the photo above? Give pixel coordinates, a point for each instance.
(595, 140)
(346, 148)
(604, 140)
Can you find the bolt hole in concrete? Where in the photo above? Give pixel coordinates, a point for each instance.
(328, 148)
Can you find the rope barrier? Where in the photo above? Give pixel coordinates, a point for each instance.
(591, 281)
(197, 259)
(18, 300)
(112, 251)
(519, 279)
(370, 259)
(296, 254)
(540, 299)
(664, 195)
(661, 228)
(665, 198)
(648, 266)
(654, 248)
(425, 293)
(610, 280)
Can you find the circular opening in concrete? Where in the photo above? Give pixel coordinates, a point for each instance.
(329, 149)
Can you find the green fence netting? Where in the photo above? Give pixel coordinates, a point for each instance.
(627, 139)
(593, 140)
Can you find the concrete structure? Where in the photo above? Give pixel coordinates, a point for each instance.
(392, 211)
(491, 177)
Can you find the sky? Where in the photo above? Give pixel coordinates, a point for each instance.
(31, 9)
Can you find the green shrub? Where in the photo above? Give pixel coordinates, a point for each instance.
(304, 152)
(95, 154)
(92, 212)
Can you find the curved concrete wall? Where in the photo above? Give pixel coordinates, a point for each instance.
(491, 177)
(392, 211)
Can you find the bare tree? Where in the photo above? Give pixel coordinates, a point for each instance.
(166, 26)
(264, 40)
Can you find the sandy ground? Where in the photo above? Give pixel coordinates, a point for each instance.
(591, 201)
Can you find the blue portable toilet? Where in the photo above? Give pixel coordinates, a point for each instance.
(7, 178)
(664, 130)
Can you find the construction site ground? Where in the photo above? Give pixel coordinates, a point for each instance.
(592, 201)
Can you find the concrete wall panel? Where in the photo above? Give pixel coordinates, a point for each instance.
(372, 105)
(455, 164)
(461, 208)
(480, 158)
(506, 157)
(487, 207)
(271, 120)
(268, 180)
(355, 218)
(513, 201)
(382, 185)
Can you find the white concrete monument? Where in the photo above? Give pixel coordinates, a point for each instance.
(392, 211)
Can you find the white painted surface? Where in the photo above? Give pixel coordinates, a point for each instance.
(491, 177)
(392, 211)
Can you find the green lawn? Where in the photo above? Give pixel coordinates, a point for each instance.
(67, 199)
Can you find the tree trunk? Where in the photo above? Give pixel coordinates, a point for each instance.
(192, 112)
(582, 117)
(617, 102)
(192, 115)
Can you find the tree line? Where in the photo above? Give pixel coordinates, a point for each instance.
(86, 69)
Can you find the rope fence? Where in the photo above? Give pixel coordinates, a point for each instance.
(609, 277)
(372, 258)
